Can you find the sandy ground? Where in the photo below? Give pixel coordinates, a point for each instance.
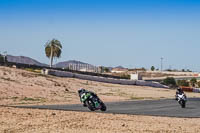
(43, 121)
(19, 87)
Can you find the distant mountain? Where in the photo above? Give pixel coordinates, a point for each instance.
(24, 60)
(121, 67)
(71, 64)
(66, 64)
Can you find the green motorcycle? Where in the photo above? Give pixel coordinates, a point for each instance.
(92, 101)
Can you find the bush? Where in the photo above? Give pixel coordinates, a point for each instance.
(198, 83)
(193, 81)
(170, 81)
(106, 70)
(125, 76)
(152, 68)
(1, 58)
(182, 83)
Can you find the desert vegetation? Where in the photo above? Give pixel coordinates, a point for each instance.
(170, 81)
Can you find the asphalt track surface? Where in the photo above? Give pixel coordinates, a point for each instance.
(165, 108)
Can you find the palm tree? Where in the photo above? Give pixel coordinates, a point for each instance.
(53, 50)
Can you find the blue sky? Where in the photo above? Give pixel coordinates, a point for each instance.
(131, 33)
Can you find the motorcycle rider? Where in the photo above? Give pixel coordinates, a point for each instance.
(82, 91)
(179, 91)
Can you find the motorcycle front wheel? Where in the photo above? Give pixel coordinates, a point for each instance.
(90, 105)
(182, 102)
(103, 107)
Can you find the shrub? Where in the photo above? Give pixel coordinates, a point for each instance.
(193, 81)
(170, 81)
(198, 84)
(125, 76)
(152, 68)
(1, 58)
(182, 83)
(106, 70)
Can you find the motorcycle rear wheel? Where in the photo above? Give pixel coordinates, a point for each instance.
(103, 107)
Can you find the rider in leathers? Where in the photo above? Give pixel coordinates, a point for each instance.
(81, 91)
(178, 91)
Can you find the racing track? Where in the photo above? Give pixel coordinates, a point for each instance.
(165, 107)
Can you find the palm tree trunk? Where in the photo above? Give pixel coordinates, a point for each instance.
(51, 57)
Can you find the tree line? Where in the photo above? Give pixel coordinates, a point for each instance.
(170, 81)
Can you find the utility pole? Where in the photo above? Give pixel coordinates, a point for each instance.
(161, 64)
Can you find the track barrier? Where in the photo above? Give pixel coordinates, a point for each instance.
(103, 79)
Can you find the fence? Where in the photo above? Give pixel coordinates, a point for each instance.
(83, 67)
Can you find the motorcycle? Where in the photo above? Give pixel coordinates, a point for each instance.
(182, 99)
(92, 102)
